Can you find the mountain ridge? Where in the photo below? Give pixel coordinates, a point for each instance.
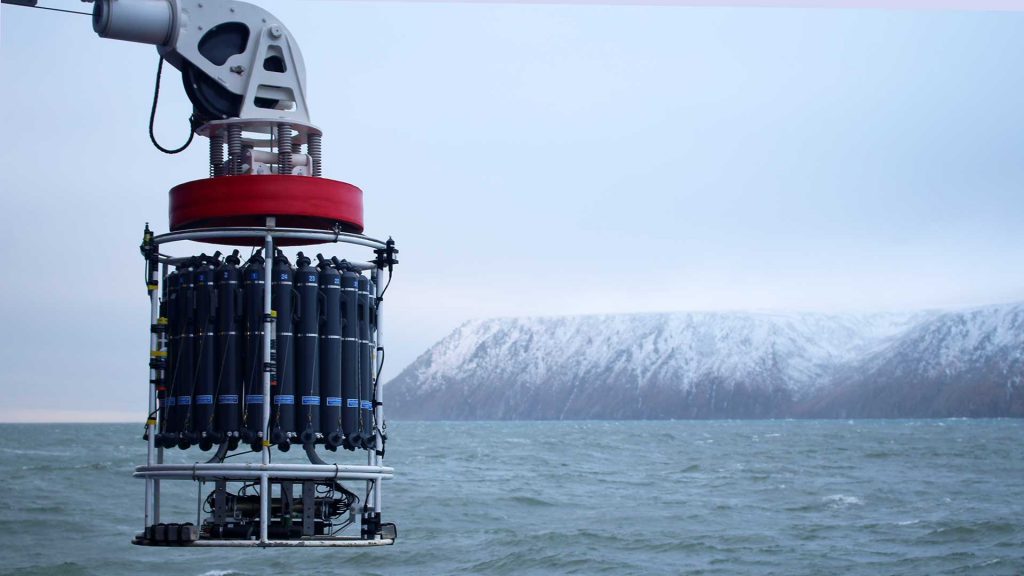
(714, 365)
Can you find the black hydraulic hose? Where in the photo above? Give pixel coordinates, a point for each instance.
(222, 451)
(314, 458)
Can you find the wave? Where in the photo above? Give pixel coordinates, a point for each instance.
(841, 501)
(31, 452)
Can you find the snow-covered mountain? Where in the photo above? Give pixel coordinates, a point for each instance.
(968, 363)
(720, 365)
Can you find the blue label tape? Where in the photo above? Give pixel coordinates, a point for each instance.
(284, 399)
(352, 403)
(227, 399)
(333, 401)
(254, 399)
(310, 400)
(367, 405)
(204, 398)
(184, 400)
(169, 401)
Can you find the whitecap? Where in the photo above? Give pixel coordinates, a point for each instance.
(842, 501)
(30, 452)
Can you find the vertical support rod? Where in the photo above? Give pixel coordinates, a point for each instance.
(371, 454)
(154, 347)
(159, 422)
(268, 333)
(378, 399)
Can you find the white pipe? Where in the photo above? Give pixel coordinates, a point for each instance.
(268, 334)
(329, 469)
(267, 157)
(371, 454)
(326, 542)
(254, 232)
(378, 400)
(154, 349)
(263, 476)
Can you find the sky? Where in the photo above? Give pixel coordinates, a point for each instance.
(535, 160)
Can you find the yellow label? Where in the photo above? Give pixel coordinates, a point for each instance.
(266, 443)
(151, 422)
(273, 313)
(158, 353)
(161, 321)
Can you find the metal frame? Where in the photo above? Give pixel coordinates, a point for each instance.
(373, 473)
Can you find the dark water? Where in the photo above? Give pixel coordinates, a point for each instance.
(724, 497)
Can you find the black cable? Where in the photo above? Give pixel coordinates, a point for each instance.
(242, 491)
(207, 507)
(62, 10)
(380, 298)
(341, 527)
(380, 365)
(148, 418)
(376, 384)
(238, 454)
(152, 117)
(351, 496)
(48, 8)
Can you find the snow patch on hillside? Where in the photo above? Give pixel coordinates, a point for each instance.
(687, 347)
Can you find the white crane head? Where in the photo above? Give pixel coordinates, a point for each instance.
(237, 60)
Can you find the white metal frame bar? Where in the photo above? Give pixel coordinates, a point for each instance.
(206, 234)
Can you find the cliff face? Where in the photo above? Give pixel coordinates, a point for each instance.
(721, 365)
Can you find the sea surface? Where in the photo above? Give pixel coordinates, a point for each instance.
(697, 497)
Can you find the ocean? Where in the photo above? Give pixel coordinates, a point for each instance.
(839, 497)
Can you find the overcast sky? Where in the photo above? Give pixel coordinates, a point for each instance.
(536, 159)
